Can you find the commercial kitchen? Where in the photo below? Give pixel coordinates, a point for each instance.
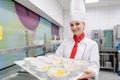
(59, 40)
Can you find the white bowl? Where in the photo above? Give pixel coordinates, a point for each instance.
(58, 74)
(41, 58)
(42, 70)
(68, 60)
(28, 61)
(73, 69)
(83, 64)
(58, 63)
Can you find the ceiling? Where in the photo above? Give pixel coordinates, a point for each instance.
(65, 4)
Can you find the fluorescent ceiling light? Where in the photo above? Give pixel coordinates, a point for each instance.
(91, 1)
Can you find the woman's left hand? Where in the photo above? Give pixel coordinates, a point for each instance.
(87, 74)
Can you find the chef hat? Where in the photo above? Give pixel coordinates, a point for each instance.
(77, 10)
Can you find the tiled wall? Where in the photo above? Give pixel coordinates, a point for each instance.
(104, 17)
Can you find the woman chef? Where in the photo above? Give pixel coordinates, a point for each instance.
(79, 46)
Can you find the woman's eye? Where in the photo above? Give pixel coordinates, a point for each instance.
(77, 24)
(71, 24)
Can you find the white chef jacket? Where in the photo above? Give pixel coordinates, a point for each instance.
(87, 50)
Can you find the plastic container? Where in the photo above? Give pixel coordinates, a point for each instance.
(118, 47)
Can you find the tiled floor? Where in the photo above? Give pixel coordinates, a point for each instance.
(108, 75)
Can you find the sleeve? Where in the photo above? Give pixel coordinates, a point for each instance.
(60, 49)
(94, 60)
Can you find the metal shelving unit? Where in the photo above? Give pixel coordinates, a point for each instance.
(118, 61)
(107, 61)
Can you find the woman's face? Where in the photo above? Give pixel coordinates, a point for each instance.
(77, 27)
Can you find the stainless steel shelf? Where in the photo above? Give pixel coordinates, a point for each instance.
(107, 61)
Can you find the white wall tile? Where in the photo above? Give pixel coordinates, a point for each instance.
(102, 18)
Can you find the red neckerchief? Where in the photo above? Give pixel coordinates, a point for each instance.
(77, 40)
(84, 79)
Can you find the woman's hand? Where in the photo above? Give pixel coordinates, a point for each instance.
(87, 74)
